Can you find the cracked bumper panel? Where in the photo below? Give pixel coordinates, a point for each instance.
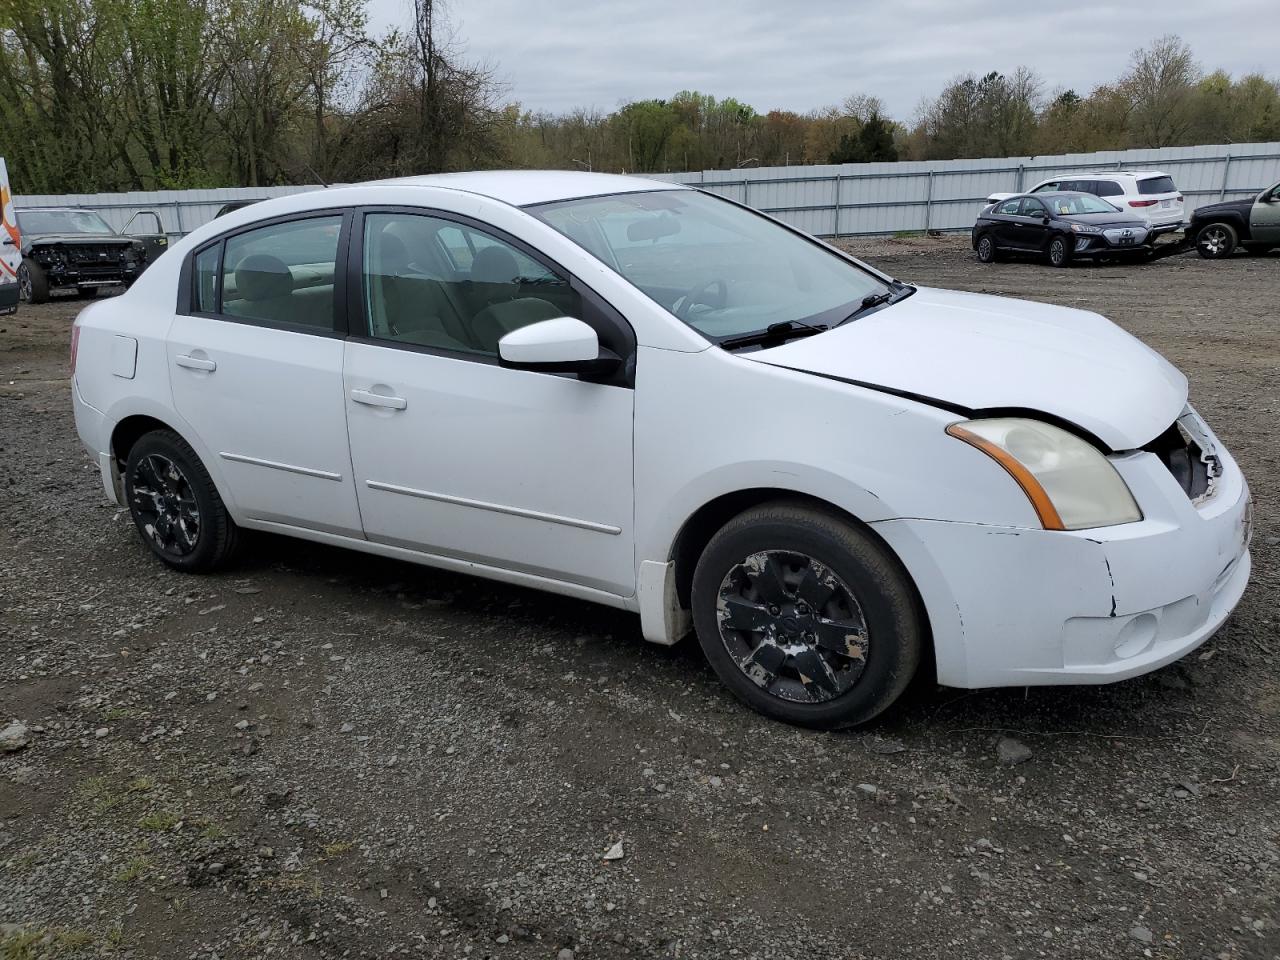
(1014, 606)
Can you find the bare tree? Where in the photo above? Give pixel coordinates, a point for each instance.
(1160, 86)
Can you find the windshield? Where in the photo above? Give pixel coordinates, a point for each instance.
(44, 222)
(1077, 203)
(722, 269)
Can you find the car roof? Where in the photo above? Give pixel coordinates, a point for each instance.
(1107, 175)
(522, 188)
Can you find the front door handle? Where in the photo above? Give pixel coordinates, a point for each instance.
(369, 398)
(195, 363)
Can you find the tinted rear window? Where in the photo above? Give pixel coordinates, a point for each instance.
(1157, 185)
(1109, 188)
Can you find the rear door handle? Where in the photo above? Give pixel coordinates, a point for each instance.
(195, 363)
(369, 398)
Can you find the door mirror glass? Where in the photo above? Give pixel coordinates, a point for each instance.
(559, 345)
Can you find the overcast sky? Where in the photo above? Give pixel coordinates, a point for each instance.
(798, 55)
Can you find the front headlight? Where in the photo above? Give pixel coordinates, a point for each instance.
(1084, 228)
(1070, 484)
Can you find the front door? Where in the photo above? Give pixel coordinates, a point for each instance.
(1033, 233)
(1264, 218)
(457, 456)
(256, 370)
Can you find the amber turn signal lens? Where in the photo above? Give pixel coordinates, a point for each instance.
(1040, 502)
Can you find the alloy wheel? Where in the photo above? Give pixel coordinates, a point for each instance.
(165, 504)
(792, 626)
(1214, 240)
(1058, 253)
(986, 250)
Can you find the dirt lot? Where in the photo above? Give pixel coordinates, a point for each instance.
(320, 754)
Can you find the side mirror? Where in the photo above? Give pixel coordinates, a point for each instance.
(562, 345)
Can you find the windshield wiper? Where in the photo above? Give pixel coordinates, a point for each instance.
(870, 301)
(780, 331)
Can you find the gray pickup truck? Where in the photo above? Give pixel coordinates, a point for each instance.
(1252, 224)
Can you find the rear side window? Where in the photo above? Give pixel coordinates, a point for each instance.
(1108, 188)
(1157, 185)
(1009, 208)
(283, 273)
(206, 270)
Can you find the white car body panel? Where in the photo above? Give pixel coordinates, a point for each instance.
(501, 467)
(990, 353)
(271, 414)
(583, 489)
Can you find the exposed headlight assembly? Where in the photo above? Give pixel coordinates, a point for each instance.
(1070, 484)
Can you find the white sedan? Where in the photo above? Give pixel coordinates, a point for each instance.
(643, 395)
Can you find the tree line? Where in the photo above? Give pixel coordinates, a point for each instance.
(108, 95)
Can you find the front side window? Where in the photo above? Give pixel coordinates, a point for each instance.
(1046, 187)
(283, 273)
(722, 269)
(432, 282)
(1033, 208)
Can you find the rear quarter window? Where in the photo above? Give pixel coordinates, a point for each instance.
(1157, 185)
(1108, 188)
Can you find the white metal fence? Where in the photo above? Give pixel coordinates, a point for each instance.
(881, 198)
(834, 200)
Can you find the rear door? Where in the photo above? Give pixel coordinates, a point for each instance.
(145, 226)
(255, 363)
(1005, 216)
(1264, 218)
(10, 246)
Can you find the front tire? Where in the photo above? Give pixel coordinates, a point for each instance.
(1216, 240)
(987, 251)
(175, 505)
(805, 617)
(33, 285)
(1059, 252)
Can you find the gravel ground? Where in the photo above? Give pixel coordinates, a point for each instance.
(321, 754)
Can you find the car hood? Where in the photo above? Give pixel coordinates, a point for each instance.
(1224, 206)
(94, 238)
(984, 353)
(1116, 219)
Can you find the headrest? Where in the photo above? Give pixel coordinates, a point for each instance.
(393, 255)
(494, 265)
(261, 276)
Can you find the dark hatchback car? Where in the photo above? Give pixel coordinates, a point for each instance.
(1061, 227)
(65, 248)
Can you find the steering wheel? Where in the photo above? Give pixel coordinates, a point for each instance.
(694, 295)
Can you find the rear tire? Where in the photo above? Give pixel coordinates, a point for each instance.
(33, 285)
(987, 250)
(1216, 240)
(1059, 252)
(175, 506)
(785, 588)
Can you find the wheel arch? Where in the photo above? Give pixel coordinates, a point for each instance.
(706, 520)
(130, 428)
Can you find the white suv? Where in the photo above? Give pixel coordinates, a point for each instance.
(1149, 194)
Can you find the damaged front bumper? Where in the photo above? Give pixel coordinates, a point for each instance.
(1014, 606)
